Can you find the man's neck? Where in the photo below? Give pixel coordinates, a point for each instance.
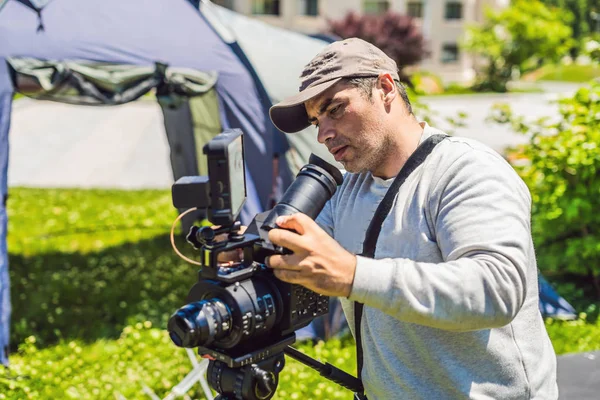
(407, 140)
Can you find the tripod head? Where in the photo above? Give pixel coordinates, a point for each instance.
(255, 376)
(251, 382)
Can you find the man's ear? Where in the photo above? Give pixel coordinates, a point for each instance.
(388, 88)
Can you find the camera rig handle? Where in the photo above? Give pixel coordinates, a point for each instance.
(326, 370)
(204, 239)
(200, 236)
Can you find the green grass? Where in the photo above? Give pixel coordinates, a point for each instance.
(145, 356)
(455, 89)
(91, 272)
(83, 264)
(565, 73)
(94, 280)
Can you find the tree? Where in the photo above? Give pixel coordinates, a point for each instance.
(560, 165)
(396, 35)
(517, 39)
(586, 18)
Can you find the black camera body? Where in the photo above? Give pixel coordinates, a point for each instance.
(255, 318)
(241, 314)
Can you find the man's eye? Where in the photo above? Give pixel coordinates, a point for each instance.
(335, 110)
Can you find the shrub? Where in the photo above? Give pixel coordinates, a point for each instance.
(574, 336)
(560, 165)
(591, 49)
(427, 83)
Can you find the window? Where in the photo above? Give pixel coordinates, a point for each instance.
(449, 53)
(415, 9)
(453, 10)
(268, 7)
(308, 7)
(376, 7)
(224, 3)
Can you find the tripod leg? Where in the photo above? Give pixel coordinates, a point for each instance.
(204, 383)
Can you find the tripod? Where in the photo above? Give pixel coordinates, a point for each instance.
(259, 381)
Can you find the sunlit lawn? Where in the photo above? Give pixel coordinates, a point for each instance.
(94, 280)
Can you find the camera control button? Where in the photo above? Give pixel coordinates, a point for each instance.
(270, 304)
(261, 304)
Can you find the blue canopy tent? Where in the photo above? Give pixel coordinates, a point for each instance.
(552, 304)
(135, 33)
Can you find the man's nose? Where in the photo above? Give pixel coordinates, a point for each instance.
(325, 132)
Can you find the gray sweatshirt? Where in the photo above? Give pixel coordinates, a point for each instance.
(451, 298)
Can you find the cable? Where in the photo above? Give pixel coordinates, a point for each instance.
(173, 237)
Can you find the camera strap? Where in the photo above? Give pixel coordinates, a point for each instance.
(370, 242)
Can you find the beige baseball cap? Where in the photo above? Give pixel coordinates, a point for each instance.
(349, 58)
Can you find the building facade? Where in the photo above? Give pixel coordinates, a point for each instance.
(442, 22)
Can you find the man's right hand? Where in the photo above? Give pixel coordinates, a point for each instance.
(227, 258)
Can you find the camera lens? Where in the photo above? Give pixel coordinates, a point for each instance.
(313, 187)
(199, 323)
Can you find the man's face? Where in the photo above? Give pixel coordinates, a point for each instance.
(352, 127)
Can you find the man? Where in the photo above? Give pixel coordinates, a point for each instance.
(451, 297)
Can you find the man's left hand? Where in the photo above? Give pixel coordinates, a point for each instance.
(319, 262)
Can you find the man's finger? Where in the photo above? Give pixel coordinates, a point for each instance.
(287, 239)
(287, 275)
(298, 222)
(288, 262)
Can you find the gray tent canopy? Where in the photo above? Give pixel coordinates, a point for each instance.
(35, 5)
(94, 83)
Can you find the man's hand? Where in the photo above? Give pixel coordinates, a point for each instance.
(319, 263)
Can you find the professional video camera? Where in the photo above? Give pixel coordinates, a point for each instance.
(240, 315)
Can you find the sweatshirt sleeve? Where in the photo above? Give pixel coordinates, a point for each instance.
(479, 211)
